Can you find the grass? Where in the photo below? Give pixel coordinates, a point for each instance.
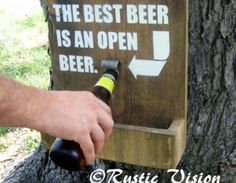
(28, 66)
(24, 140)
(31, 141)
(3, 131)
(23, 52)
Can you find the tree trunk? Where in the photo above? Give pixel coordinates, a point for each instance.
(211, 109)
(212, 82)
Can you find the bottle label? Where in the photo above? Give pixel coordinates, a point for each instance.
(107, 83)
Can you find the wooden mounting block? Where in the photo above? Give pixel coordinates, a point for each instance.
(149, 38)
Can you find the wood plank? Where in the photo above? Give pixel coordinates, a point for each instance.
(150, 112)
(156, 148)
(145, 101)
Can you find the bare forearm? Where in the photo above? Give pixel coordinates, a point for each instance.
(77, 116)
(16, 103)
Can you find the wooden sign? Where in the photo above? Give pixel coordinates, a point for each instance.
(149, 38)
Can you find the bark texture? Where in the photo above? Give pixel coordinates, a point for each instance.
(211, 145)
(212, 83)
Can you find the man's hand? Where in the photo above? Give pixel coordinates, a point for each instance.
(77, 116)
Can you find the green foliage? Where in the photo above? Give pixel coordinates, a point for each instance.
(23, 50)
(23, 57)
(3, 131)
(30, 22)
(33, 71)
(31, 141)
(5, 141)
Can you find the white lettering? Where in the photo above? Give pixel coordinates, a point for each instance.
(68, 12)
(84, 39)
(99, 13)
(117, 8)
(154, 179)
(75, 13)
(115, 173)
(162, 14)
(123, 40)
(142, 14)
(88, 13)
(112, 38)
(132, 17)
(173, 177)
(57, 8)
(115, 176)
(79, 62)
(207, 179)
(108, 18)
(151, 14)
(72, 63)
(63, 38)
(216, 179)
(102, 40)
(63, 62)
(132, 41)
(107, 13)
(88, 64)
(76, 63)
(180, 177)
(147, 14)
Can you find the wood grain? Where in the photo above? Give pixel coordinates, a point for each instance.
(149, 112)
(145, 101)
(158, 148)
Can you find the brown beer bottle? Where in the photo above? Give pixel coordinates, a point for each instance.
(68, 154)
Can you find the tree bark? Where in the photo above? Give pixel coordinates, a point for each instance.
(212, 97)
(211, 108)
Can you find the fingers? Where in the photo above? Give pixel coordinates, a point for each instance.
(97, 126)
(106, 122)
(98, 102)
(93, 142)
(87, 147)
(104, 117)
(98, 137)
(103, 105)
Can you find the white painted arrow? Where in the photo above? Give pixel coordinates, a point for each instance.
(161, 45)
(161, 50)
(146, 67)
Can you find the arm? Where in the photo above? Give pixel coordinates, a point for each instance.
(77, 116)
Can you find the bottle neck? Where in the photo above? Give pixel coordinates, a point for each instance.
(108, 80)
